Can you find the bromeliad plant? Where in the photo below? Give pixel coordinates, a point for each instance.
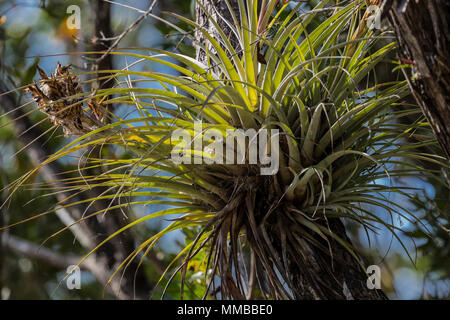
(277, 236)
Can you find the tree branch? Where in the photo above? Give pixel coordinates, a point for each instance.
(30, 250)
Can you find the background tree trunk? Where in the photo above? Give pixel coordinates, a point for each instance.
(92, 232)
(218, 10)
(320, 276)
(422, 30)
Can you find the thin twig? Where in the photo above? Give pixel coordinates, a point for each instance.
(127, 30)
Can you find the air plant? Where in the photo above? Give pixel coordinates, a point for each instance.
(55, 97)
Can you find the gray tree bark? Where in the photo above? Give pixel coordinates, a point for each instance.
(218, 11)
(422, 29)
